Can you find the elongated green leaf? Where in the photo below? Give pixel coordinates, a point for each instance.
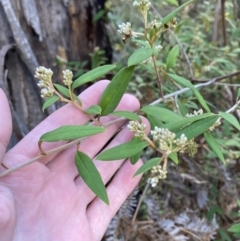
(122, 151)
(163, 114)
(175, 125)
(92, 75)
(134, 159)
(65, 91)
(214, 145)
(115, 90)
(187, 83)
(174, 2)
(68, 132)
(126, 114)
(154, 121)
(198, 127)
(148, 165)
(172, 57)
(90, 175)
(140, 55)
(174, 157)
(224, 235)
(49, 102)
(231, 119)
(94, 110)
(174, 13)
(235, 228)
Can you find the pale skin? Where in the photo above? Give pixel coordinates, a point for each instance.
(47, 200)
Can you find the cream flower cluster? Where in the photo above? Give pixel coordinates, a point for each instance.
(138, 128)
(125, 29)
(67, 77)
(166, 141)
(45, 78)
(155, 24)
(142, 5)
(196, 112)
(158, 173)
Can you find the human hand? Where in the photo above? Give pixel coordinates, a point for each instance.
(47, 200)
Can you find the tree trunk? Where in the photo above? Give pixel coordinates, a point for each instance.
(35, 32)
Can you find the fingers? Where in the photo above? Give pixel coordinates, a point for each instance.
(63, 165)
(98, 213)
(67, 115)
(5, 123)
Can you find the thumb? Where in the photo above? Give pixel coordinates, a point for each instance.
(5, 123)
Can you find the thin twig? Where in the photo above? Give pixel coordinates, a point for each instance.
(139, 203)
(206, 83)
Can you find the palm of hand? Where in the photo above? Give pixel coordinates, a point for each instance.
(47, 200)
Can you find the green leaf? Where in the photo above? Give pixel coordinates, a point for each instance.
(187, 83)
(122, 151)
(176, 125)
(148, 165)
(93, 110)
(127, 114)
(49, 102)
(134, 159)
(173, 2)
(174, 157)
(90, 175)
(72, 132)
(214, 145)
(198, 127)
(235, 228)
(92, 75)
(65, 91)
(238, 93)
(224, 235)
(182, 108)
(154, 121)
(163, 114)
(231, 119)
(115, 90)
(172, 57)
(174, 13)
(140, 55)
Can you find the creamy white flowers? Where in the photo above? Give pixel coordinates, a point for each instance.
(138, 128)
(45, 79)
(67, 77)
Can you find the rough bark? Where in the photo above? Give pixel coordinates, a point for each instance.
(33, 33)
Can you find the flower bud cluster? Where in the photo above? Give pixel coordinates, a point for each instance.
(159, 47)
(45, 81)
(138, 128)
(67, 77)
(171, 24)
(142, 5)
(217, 123)
(166, 141)
(154, 24)
(43, 74)
(190, 148)
(125, 29)
(164, 138)
(198, 112)
(47, 92)
(147, 61)
(158, 173)
(181, 141)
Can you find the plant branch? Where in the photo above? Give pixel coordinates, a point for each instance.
(207, 82)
